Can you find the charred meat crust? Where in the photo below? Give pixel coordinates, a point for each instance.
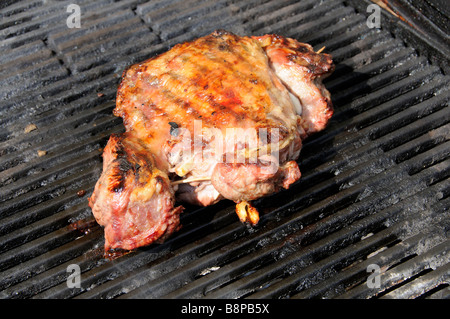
(127, 162)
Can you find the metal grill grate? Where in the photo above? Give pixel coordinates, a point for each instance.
(374, 187)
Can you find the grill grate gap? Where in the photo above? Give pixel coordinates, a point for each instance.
(404, 282)
(436, 291)
(401, 261)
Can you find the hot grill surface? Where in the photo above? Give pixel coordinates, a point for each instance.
(374, 187)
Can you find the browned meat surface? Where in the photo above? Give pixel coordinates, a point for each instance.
(219, 117)
(246, 182)
(302, 71)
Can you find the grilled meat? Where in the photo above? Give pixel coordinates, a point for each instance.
(220, 117)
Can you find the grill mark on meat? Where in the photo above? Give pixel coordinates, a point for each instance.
(120, 168)
(176, 108)
(119, 175)
(173, 107)
(186, 110)
(210, 63)
(203, 105)
(234, 101)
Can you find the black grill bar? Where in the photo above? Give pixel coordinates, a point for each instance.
(356, 275)
(374, 186)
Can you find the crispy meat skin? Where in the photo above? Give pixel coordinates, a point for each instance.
(221, 81)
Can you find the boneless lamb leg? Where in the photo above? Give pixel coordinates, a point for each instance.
(177, 109)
